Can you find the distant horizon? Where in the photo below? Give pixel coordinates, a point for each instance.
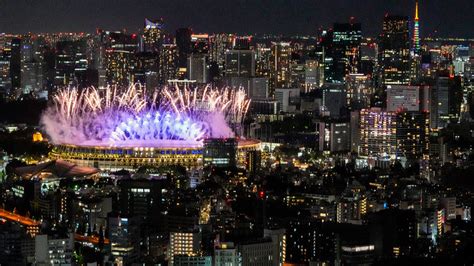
(287, 35)
(438, 18)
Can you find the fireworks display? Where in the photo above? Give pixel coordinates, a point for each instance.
(132, 116)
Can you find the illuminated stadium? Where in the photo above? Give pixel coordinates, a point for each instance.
(114, 128)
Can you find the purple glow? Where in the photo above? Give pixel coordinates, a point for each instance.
(124, 117)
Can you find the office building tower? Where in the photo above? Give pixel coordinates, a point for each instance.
(446, 98)
(355, 131)
(71, 63)
(15, 63)
(220, 152)
(200, 43)
(255, 87)
(197, 69)
(219, 44)
(333, 135)
(394, 53)
(333, 100)
(313, 75)
(5, 80)
(368, 56)
(184, 46)
(167, 63)
(31, 66)
(378, 130)
(124, 236)
(145, 69)
(285, 96)
(152, 35)
(280, 65)
(263, 57)
(345, 50)
(403, 98)
(119, 67)
(359, 88)
(242, 42)
(240, 63)
(412, 134)
(140, 197)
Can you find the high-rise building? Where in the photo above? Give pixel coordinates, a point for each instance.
(140, 197)
(197, 68)
(394, 53)
(263, 62)
(71, 62)
(412, 134)
(280, 65)
(378, 130)
(333, 100)
(184, 45)
(368, 56)
(219, 44)
(184, 243)
(220, 152)
(200, 43)
(168, 63)
(389, 135)
(314, 75)
(31, 66)
(285, 96)
(119, 58)
(124, 236)
(333, 136)
(240, 63)
(359, 88)
(445, 98)
(152, 35)
(15, 63)
(346, 40)
(119, 66)
(403, 98)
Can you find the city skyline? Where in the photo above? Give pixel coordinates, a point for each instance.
(437, 18)
(236, 133)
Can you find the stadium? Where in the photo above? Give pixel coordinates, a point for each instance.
(116, 128)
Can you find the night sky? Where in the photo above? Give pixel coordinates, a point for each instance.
(447, 17)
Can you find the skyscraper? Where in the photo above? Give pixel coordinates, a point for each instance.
(168, 59)
(184, 45)
(240, 63)
(152, 35)
(377, 133)
(394, 56)
(197, 68)
(280, 65)
(15, 63)
(346, 46)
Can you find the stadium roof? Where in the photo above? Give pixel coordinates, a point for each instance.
(58, 168)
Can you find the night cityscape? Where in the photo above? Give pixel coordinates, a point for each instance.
(235, 133)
